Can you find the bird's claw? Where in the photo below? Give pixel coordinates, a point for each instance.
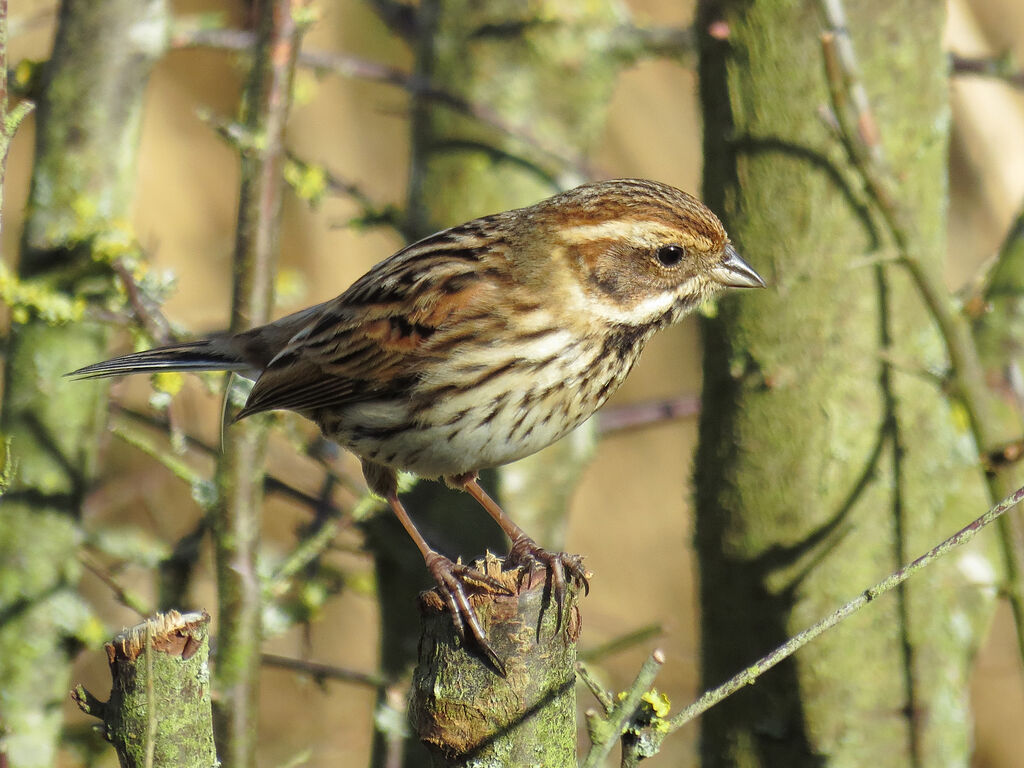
(525, 552)
(451, 579)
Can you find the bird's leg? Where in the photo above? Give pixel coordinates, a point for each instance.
(451, 578)
(525, 551)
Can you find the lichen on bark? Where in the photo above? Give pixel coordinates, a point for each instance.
(821, 466)
(87, 128)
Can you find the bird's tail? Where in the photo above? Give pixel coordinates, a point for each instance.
(218, 354)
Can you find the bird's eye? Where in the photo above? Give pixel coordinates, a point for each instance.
(670, 255)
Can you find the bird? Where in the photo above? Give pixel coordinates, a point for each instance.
(480, 345)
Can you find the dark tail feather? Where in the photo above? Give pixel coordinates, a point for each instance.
(204, 355)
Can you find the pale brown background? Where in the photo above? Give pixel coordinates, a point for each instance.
(631, 514)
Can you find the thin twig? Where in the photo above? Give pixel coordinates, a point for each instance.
(307, 551)
(240, 468)
(621, 643)
(124, 596)
(603, 696)
(348, 66)
(10, 119)
(608, 730)
(178, 467)
(373, 213)
(639, 415)
(149, 317)
(999, 67)
(749, 675)
(321, 672)
(272, 483)
(864, 144)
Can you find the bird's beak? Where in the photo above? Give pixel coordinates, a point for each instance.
(734, 272)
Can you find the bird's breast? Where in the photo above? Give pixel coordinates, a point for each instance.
(489, 405)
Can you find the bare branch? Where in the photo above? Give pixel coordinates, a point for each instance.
(1000, 68)
(323, 672)
(605, 732)
(239, 477)
(123, 595)
(348, 66)
(639, 415)
(750, 675)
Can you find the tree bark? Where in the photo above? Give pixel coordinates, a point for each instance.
(472, 718)
(159, 710)
(87, 130)
(822, 465)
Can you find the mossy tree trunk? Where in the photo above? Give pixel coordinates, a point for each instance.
(87, 130)
(821, 465)
(159, 711)
(471, 717)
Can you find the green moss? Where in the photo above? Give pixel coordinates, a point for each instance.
(82, 183)
(161, 701)
(29, 299)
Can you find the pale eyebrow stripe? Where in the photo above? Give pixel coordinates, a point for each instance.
(648, 230)
(583, 233)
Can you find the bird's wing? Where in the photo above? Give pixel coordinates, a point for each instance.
(376, 339)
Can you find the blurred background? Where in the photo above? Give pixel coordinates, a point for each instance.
(185, 218)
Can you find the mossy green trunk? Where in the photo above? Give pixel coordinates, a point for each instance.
(472, 718)
(821, 466)
(87, 130)
(159, 711)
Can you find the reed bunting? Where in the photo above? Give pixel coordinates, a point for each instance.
(480, 345)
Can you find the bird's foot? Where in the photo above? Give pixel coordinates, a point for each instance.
(525, 552)
(452, 579)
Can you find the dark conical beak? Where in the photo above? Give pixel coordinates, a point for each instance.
(734, 272)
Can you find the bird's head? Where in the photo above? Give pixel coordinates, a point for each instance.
(637, 252)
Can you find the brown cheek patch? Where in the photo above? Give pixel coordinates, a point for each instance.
(603, 266)
(611, 284)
